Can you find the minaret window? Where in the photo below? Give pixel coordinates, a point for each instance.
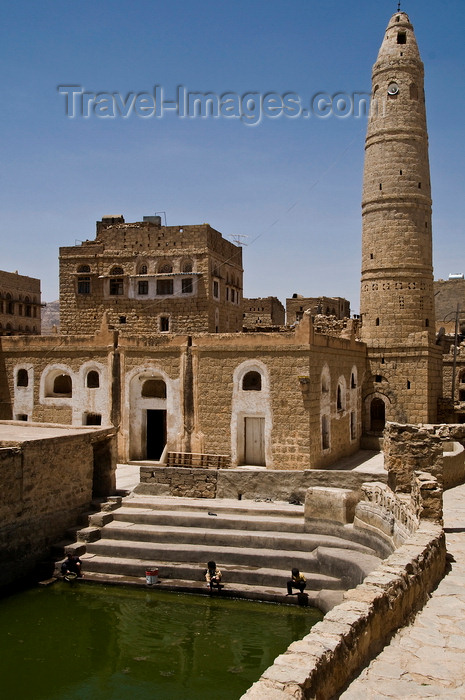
(402, 38)
(377, 322)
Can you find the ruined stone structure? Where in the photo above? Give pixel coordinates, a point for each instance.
(397, 304)
(327, 306)
(19, 304)
(262, 313)
(150, 278)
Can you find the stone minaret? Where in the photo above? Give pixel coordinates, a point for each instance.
(397, 302)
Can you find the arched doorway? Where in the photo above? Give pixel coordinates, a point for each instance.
(377, 415)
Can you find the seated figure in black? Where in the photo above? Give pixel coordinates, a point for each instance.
(71, 565)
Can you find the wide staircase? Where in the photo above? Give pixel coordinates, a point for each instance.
(254, 543)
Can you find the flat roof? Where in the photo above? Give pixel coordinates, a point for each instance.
(22, 431)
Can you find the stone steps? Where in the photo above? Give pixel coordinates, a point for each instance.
(234, 575)
(255, 544)
(146, 529)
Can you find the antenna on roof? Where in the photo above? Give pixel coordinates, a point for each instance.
(398, 6)
(239, 239)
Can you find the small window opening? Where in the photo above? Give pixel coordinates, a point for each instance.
(62, 385)
(22, 378)
(154, 388)
(377, 322)
(252, 381)
(339, 398)
(419, 185)
(408, 384)
(324, 432)
(401, 38)
(378, 378)
(122, 319)
(380, 186)
(93, 419)
(353, 382)
(93, 380)
(427, 323)
(164, 324)
(400, 172)
(371, 256)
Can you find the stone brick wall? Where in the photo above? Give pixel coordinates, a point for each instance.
(45, 484)
(410, 448)
(178, 481)
(262, 312)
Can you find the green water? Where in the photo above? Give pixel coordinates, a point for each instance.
(78, 642)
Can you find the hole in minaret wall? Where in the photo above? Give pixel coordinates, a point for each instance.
(380, 186)
(401, 38)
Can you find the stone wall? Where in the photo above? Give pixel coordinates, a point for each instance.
(248, 484)
(262, 312)
(46, 483)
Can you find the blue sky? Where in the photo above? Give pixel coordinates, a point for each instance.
(292, 186)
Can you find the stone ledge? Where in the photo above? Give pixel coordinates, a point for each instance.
(323, 662)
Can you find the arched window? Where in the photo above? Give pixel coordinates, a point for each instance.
(93, 379)
(142, 269)
(339, 398)
(22, 378)
(116, 271)
(353, 381)
(252, 381)
(165, 268)
(83, 268)
(154, 388)
(187, 266)
(62, 385)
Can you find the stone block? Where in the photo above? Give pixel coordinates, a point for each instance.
(337, 505)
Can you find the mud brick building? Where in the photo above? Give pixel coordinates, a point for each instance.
(19, 304)
(150, 278)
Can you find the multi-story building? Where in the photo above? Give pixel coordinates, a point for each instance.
(262, 312)
(19, 304)
(149, 278)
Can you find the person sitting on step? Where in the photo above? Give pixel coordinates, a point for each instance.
(297, 581)
(213, 576)
(71, 565)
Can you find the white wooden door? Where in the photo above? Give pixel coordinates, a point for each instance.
(254, 440)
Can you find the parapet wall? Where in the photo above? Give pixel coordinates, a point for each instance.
(246, 483)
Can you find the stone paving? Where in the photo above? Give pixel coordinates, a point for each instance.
(427, 658)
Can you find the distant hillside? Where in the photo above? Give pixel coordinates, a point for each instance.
(50, 317)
